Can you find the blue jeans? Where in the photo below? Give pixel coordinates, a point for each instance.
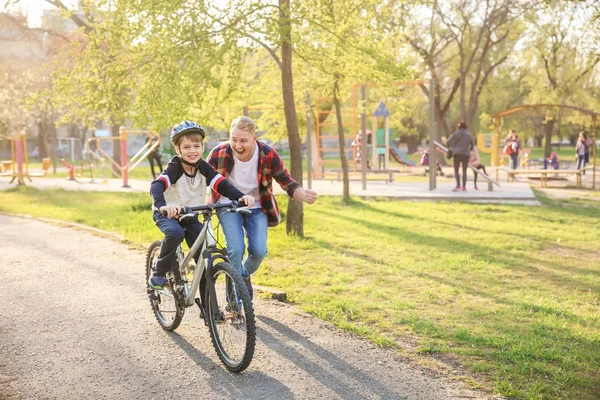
(254, 226)
(174, 235)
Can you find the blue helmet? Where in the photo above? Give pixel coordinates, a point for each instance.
(186, 127)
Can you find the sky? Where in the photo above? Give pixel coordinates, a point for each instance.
(34, 9)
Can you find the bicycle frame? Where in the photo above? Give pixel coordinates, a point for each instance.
(209, 254)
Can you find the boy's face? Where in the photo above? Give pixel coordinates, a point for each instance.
(243, 143)
(190, 150)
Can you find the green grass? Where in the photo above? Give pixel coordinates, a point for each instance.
(512, 293)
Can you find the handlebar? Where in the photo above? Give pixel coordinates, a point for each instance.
(234, 206)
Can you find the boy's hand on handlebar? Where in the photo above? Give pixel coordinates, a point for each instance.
(247, 200)
(170, 211)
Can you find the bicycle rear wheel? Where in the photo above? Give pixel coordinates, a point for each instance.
(231, 320)
(165, 303)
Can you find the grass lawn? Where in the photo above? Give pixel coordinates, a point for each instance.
(507, 294)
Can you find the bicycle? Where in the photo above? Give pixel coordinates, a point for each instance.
(224, 301)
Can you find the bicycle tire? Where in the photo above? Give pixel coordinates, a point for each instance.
(165, 304)
(231, 321)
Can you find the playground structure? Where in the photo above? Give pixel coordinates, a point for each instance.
(121, 170)
(18, 167)
(377, 140)
(328, 143)
(19, 164)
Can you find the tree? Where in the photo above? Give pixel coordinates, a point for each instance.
(467, 40)
(566, 56)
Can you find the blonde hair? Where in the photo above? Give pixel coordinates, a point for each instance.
(244, 123)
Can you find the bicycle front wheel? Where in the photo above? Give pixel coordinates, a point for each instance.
(165, 305)
(231, 319)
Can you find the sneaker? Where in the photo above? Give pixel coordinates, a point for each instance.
(157, 282)
(476, 187)
(249, 287)
(464, 189)
(456, 189)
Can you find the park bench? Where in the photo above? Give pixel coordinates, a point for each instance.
(389, 172)
(5, 166)
(543, 174)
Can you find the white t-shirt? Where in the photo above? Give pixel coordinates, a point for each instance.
(244, 176)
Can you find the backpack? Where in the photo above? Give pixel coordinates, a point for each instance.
(508, 150)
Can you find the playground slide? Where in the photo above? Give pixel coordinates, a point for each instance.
(400, 157)
(481, 174)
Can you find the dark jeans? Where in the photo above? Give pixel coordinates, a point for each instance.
(515, 160)
(458, 160)
(581, 161)
(174, 232)
(155, 156)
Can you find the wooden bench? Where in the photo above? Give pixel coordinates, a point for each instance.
(543, 174)
(5, 166)
(389, 172)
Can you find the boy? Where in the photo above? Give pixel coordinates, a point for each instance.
(183, 183)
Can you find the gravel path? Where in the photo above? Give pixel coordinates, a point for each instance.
(76, 324)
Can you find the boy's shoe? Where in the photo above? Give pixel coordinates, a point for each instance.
(456, 189)
(464, 189)
(476, 187)
(157, 282)
(249, 287)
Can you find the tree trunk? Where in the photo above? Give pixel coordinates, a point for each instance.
(295, 211)
(341, 142)
(114, 131)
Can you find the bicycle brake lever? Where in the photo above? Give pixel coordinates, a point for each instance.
(242, 210)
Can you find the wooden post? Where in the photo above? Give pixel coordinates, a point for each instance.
(374, 143)
(432, 137)
(308, 143)
(124, 158)
(363, 141)
(594, 149)
(387, 142)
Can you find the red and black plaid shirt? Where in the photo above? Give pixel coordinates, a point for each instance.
(270, 166)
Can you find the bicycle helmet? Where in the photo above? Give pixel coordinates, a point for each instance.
(186, 127)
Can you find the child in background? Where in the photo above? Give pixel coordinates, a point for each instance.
(475, 162)
(554, 161)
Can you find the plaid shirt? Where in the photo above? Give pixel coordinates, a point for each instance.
(270, 166)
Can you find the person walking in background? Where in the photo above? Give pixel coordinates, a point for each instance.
(582, 151)
(512, 147)
(476, 163)
(154, 155)
(460, 144)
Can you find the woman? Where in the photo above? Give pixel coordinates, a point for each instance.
(513, 144)
(581, 151)
(460, 143)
